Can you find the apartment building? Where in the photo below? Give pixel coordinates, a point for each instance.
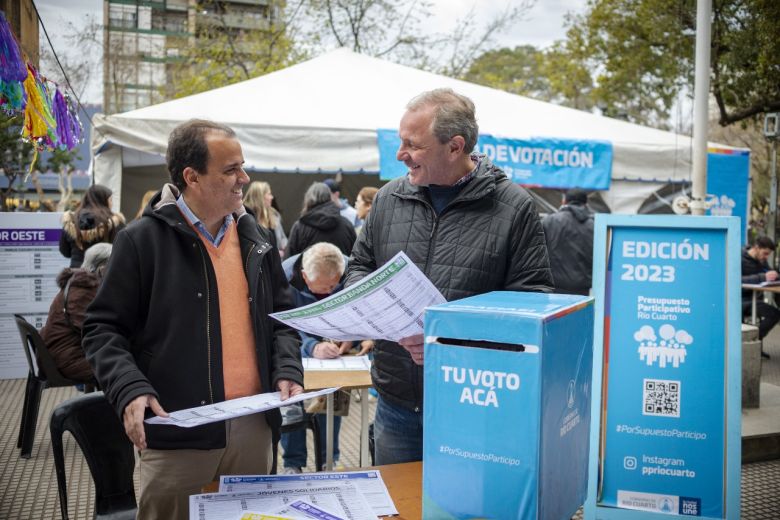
(145, 41)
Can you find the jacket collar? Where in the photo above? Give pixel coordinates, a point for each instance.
(483, 183)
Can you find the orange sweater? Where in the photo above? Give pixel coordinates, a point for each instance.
(239, 359)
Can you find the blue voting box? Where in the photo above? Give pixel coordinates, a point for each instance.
(507, 406)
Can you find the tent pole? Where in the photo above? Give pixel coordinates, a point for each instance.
(700, 106)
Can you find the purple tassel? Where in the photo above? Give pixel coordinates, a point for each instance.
(64, 132)
(12, 66)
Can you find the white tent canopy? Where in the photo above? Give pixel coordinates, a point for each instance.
(322, 115)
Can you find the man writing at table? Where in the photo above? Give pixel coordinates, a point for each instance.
(469, 229)
(755, 270)
(181, 320)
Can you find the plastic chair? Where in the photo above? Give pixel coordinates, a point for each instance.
(109, 454)
(307, 422)
(43, 374)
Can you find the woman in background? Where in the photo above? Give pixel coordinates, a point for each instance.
(320, 222)
(144, 202)
(91, 223)
(259, 199)
(62, 332)
(363, 202)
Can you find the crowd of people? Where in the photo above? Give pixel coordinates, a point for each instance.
(179, 315)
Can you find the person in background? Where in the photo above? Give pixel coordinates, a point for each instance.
(62, 332)
(320, 222)
(182, 320)
(259, 199)
(569, 237)
(755, 270)
(144, 202)
(469, 228)
(92, 222)
(313, 275)
(363, 201)
(347, 211)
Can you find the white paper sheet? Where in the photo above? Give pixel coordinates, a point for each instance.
(386, 304)
(210, 413)
(341, 498)
(369, 483)
(340, 363)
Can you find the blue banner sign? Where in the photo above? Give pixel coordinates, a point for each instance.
(664, 351)
(728, 174)
(550, 163)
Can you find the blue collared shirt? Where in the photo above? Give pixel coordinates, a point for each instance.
(195, 221)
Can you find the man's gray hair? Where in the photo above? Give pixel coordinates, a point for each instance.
(323, 258)
(96, 257)
(454, 114)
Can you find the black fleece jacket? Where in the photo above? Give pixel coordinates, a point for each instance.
(488, 238)
(322, 223)
(154, 325)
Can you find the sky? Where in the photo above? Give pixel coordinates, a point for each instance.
(542, 26)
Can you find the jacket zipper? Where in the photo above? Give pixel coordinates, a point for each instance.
(208, 319)
(259, 322)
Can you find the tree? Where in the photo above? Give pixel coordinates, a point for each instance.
(546, 75)
(16, 154)
(640, 54)
(225, 55)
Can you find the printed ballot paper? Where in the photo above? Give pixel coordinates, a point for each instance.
(340, 498)
(369, 483)
(210, 413)
(386, 304)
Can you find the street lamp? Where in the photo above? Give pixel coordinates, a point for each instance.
(772, 134)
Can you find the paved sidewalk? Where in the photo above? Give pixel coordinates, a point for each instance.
(28, 488)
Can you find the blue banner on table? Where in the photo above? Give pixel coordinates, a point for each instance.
(728, 174)
(665, 321)
(551, 163)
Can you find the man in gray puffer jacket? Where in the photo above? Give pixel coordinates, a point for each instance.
(464, 224)
(569, 235)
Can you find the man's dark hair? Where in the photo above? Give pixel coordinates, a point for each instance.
(187, 148)
(763, 242)
(576, 196)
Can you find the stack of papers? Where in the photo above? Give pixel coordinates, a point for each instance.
(340, 363)
(353, 495)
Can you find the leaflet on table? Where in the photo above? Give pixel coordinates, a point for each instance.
(340, 498)
(298, 510)
(340, 363)
(386, 304)
(210, 413)
(369, 483)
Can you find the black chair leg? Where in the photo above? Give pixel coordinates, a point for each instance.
(27, 391)
(31, 418)
(315, 430)
(56, 430)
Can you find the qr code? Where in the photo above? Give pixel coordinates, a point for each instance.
(661, 398)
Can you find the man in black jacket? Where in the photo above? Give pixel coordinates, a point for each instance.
(181, 320)
(569, 236)
(464, 224)
(755, 270)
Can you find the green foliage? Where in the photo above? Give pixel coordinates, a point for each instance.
(224, 55)
(15, 154)
(634, 58)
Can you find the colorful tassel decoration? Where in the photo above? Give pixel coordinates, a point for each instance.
(68, 126)
(12, 96)
(39, 123)
(12, 66)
